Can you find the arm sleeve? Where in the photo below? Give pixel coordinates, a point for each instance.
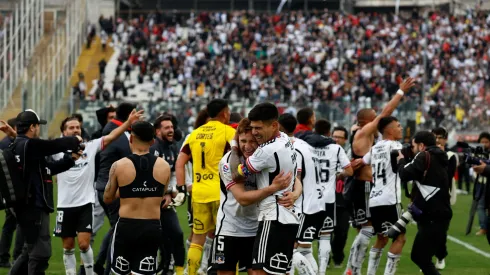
(413, 170)
(225, 174)
(367, 158)
(39, 148)
(61, 165)
(343, 159)
(259, 161)
(300, 160)
(229, 134)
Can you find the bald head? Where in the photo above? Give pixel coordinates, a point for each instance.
(364, 116)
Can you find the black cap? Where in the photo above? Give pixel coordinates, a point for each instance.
(29, 117)
(143, 130)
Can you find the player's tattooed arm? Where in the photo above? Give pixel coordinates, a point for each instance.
(111, 187)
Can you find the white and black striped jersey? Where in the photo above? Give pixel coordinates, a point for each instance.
(267, 162)
(327, 160)
(387, 187)
(233, 219)
(309, 202)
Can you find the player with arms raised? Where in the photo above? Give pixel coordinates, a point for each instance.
(385, 198)
(363, 140)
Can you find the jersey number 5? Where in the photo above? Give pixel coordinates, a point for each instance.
(221, 243)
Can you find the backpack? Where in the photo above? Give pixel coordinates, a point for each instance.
(12, 187)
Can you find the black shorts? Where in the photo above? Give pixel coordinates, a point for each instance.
(73, 220)
(360, 200)
(135, 245)
(383, 217)
(273, 247)
(228, 251)
(311, 226)
(190, 217)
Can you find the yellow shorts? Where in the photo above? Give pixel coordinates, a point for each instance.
(204, 216)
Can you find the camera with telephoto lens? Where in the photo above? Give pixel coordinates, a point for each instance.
(400, 227)
(474, 155)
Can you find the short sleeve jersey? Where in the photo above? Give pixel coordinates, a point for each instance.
(233, 219)
(387, 187)
(76, 185)
(272, 157)
(310, 204)
(206, 145)
(327, 160)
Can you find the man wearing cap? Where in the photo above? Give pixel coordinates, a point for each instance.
(33, 215)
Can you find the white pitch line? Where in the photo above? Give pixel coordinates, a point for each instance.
(469, 246)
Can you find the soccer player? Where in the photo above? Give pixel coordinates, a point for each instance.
(173, 237)
(303, 259)
(363, 138)
(140, 181)
(385, 197)
(278, 225)
(319, 221)
(238, 214)
(76, 195)
(206, 146)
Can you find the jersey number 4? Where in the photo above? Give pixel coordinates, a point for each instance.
(379, 172)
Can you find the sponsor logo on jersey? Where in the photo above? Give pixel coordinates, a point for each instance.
(226, 168)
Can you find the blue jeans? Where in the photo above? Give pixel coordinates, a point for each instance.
(482, 215)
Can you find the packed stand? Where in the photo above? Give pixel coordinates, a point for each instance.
(353, 61)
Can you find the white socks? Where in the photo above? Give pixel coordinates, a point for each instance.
(392, 263)
(88, 260)
(205, 254)
(307, 252)
(358, 250)
(324, 249)
(374, 259)
(70, 261)
(302, 264)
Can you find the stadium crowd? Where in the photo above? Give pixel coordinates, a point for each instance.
(353, 61)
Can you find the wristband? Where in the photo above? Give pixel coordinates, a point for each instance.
(243, 170)
(182, 189)
(233, 143)
(400, 92)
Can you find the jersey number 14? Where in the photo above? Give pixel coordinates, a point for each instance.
(379, 172)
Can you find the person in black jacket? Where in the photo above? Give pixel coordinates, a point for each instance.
(173, 238)
(33, 215)
(441, 135)
(430, 206)
(10, 224)
(114, 152)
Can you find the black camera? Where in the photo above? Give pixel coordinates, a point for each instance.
(406, 151)
(473, 155)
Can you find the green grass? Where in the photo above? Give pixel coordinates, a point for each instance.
(460, 261)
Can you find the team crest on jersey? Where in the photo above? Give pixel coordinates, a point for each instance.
(220, 259)
(226, 168)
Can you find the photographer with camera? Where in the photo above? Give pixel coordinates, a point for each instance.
(33, 215)
(430, 206)
(481, 181)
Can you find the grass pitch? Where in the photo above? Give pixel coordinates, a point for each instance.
(460, 261)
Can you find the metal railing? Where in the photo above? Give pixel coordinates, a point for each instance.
(22, 31)
(339, 112)
(46, 87)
